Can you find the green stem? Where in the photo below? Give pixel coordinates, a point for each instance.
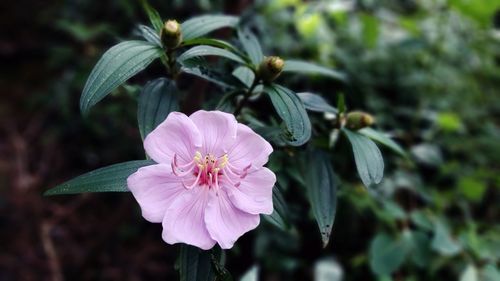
(172, 72)
(246, 97)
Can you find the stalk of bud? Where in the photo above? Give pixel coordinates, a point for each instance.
(358, 120)
(171, 35)
(270, 68)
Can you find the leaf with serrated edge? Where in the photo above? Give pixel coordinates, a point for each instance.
(108, 179)
(116, 66)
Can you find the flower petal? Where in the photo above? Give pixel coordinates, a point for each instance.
(155, 188)
(249, 148)
(218, 130)
(254, 195)
(225, 222)
(184, 220)
(176, 135)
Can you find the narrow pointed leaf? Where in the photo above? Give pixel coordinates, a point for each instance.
(211, 42)
(224, 81)
(321, 183)
(195, 264)
(153, 15)
(108, 179)
(368, 158)
(251, 46)
(291, 109)
(310, 68)
(245, 75)
(383, 139)
(201, 51)
(116, 66)
(199, 26)
(158, 98)
(149, 34)
(341, 103)
(316, 103)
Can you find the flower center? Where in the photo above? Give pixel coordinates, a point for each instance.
(209, 171)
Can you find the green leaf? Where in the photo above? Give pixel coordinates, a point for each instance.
(310, 68)
(383, 139)
(291, 109)
(490, 272)
(153, 15)
(211, 42)
(272, 134)
(469, 274)
(387, 253)
(473, 188)
(421, 251)
(316, 103)
(341, 103)
(158, 98)
(251, 275)
(203, 50)
(442, 242)
(279, 216)
(199, 26)
(226, 102)
(367, 156)
(116, 66)
(150, 35)
(224, 81)
(251, 46)
(322, 183)
(195, 264)
(108, 179)
(245, 75)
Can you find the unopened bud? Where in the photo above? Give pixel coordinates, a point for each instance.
(171, 35)
(358, 120)
(270, 68)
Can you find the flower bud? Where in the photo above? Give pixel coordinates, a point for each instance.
(358, 120)
(270, 68)
(171, 35)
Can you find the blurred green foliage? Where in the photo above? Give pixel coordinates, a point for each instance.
(429, 71)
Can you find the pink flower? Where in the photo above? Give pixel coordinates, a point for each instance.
(209, 185)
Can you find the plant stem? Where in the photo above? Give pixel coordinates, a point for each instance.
(246, 97)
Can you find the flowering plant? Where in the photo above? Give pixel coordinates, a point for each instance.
(204, 177)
